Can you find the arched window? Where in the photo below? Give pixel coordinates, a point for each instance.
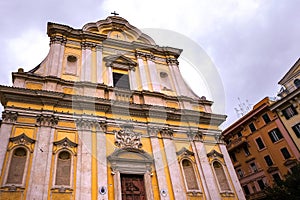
(221, 176)
(17, 166)
(189, 175)
(297, 83)
(63, 168)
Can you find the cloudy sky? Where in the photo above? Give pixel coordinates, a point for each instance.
(251, 43)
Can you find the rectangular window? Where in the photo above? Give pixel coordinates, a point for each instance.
(233, 157)
(240, 173)
(296, 129)
(246, 189)
(252, 127)
(260, 143)
(285, 153)
(121, 80)
(253, 167)
(266, 118)
(261, 184)
(275, 135)
(268, 160)
(239, 134)
(276, 178)
(246, 150)
(289, 112)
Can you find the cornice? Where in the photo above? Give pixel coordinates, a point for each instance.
(57, 99)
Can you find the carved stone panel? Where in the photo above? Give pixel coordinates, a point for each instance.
(126, 137)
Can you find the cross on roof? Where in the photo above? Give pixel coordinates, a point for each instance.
(114, 13)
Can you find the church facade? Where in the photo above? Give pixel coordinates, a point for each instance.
(107, 115)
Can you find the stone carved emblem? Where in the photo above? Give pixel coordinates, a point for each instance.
(126, 137)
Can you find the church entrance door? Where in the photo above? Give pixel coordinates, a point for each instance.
(133, 187)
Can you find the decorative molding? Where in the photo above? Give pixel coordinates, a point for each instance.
(65, 143)
(88, 45)
(147, 56)
(126, 137)
(184, 152)
(214, 154)
(23, 140)
(120, 61)
(9, 116)
(47, 120)
(166, 132)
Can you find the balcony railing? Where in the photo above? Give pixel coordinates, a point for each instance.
(236, 143)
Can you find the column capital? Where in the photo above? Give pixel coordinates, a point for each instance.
(172, 61)
(9, 116)
(153, 131)
(166, 132)
(84, 124)
(46, 120)
(58, 40)
(87, 45)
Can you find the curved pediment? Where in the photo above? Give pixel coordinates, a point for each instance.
(118, 28)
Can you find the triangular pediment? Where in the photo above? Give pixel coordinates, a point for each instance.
(119, 61)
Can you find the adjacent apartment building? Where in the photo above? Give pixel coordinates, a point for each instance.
(261, 148)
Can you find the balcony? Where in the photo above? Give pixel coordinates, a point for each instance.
(236, 143)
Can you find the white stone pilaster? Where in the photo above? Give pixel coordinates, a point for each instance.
(232, 173)
(133, 81)
(174, 170)
(60, 60)
(213, 190)
(83, 61)
(88, 65)
(174, 78)
(41, 162)
(148, 184)
(5, 132)
(102, 162)
(117, 186)
(201, 172)
(84, 163)
(99, 64)
(143, 74)
(110, 81)
(56, 56)
(154, 76)
(159, 167)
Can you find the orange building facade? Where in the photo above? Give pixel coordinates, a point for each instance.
(261, 149)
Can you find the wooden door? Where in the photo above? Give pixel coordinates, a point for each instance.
(133, 187)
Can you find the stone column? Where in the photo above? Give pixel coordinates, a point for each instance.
(213, 190)
(8, 120)
(84, 162)
(41, 162)
(143, 74)
(99, 64)
(173, 165)
(57, 47)
(232, 173)
(159, 163)
(153, 73)
(101, 159)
